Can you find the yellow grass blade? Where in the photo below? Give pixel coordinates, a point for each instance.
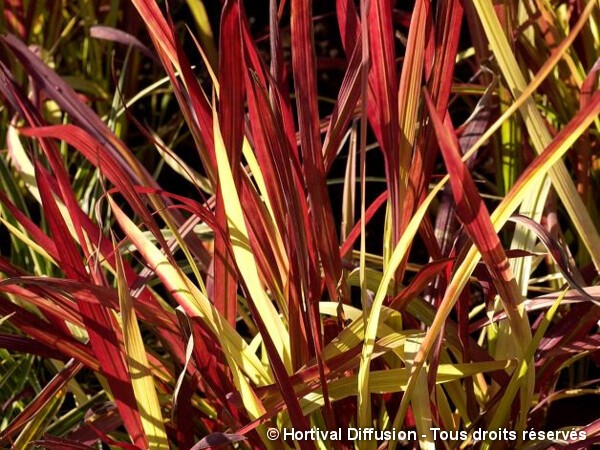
(16, 232)
(206, 34)
(537, 130)
(181, 168)
(21, 162)
(409, 91)
(420, 401)
(137, 361)
(242, 251)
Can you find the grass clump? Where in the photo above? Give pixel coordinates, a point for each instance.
(227, 222)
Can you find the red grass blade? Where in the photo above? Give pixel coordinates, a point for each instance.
(272, 147)
(26, 345)
(383, 80)
(475, 217)
(99, 322)
(303, 63)
(355, 232)
(231, 120)
(421, 280)
(344, 108)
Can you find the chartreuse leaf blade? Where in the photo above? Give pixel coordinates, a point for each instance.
(420, 401)
(35, 428)
(242, 251)
(396, 380)
(141, 376)
(537, 129)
